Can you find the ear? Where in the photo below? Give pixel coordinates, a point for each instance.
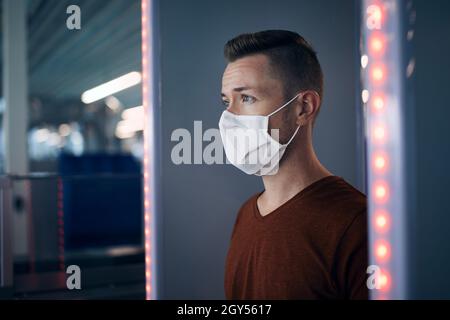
(309, 104)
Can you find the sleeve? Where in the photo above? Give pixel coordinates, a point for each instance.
(352, 259)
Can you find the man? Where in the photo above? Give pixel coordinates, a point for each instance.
(305, 235)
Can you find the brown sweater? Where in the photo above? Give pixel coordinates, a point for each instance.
(314, 246)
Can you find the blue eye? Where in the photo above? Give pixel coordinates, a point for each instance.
(225, 103)
(248, 99)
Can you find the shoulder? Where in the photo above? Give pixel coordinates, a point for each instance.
(339, 191)
(247, 207)
(337, 208)
(349, 213)
(341, 200)
(350, 202)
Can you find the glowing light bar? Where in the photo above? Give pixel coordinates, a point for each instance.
(149, 108)
(111, 87)
(381, 91)
(60, 221)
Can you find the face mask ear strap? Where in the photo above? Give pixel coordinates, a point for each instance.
(293, 136)
(284, 105)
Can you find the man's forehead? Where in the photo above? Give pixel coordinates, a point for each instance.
(245, 72)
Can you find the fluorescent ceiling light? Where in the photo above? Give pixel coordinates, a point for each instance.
(109, 88)
(133, 121)
(113, 103)
(133, 113)
(127, 129)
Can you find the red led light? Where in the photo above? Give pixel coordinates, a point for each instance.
(375, 16)
(379, 133)
(377, 44)
(378, 73)
(382, 250)
(384, 280)
(380, 162)
(380, 191)
(377, 13)
(381, 221)
(378, 102)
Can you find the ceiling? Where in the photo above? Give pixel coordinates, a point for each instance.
(63, 63)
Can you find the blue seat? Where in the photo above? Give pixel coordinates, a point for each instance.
(102, 200)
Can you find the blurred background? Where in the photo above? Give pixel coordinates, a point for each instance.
(71, 162)
(72, 167)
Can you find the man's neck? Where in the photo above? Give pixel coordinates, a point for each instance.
(297, 171)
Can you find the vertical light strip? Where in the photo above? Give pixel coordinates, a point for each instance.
(148, 101)
(383, 102)
(31, 225)
(60, 221)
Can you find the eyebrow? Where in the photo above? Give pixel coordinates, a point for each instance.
(238, 89)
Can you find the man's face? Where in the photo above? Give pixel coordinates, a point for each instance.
(249, 87)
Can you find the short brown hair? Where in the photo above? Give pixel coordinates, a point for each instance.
(290, 55)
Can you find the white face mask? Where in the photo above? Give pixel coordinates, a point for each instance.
(248, 144)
